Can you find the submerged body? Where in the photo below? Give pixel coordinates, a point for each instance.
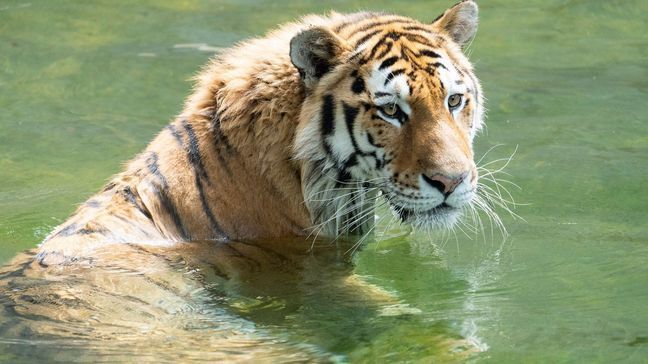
(296, 133)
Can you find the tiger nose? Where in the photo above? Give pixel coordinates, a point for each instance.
(445, 184)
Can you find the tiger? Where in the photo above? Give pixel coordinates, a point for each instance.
(291, 135)
(298, 133)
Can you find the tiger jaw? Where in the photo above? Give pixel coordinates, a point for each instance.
(435, 211)
(443, 215)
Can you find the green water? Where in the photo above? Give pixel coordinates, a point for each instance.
(85, 85)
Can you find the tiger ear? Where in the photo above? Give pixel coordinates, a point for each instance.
(315, 52)
(459, 22)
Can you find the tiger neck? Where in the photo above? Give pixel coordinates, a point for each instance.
(337, 207)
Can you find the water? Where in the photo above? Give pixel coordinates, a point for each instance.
(84, 86)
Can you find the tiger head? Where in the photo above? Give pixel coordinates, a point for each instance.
(393, 103)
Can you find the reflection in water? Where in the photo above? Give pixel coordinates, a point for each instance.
(476, 306)
(228, 299)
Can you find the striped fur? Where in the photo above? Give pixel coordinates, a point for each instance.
(277, 141)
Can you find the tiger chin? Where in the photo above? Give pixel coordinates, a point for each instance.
(298, 133)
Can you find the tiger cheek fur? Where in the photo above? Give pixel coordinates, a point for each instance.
(298, 133)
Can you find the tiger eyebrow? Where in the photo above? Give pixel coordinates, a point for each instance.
(429, 53)
(382, 94)
(388, 62)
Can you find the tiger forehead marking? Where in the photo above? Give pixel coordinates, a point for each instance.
(405, 64)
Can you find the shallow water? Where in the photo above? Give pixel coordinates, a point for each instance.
(85, 85)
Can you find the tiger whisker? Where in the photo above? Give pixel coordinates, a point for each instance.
(488, 151)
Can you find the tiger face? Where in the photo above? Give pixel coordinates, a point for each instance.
(394, 103)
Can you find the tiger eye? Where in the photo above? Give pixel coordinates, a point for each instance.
(390, 110)
(454, 100)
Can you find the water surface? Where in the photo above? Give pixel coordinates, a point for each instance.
(85, 85)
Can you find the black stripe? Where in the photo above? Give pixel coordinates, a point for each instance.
(404, 54)
(438, 64)
(429, 53)
(366, 37)
(374, 49)
(328, 122)
(223, 147)
(73, 229)
(417, 38)
(358, 85)
(153, 167)
(343, 177)
(372, 141)
(393, 74)
(109, 186)
(474, 82)
(215, 227)
(412, 37)
(359, 17)
(417, 28)
(393, 35)
(86, 231)
(384, 52)
(328, 115)
(461, 73)
(219, 136)
(93, 204)
(379, 163)
(352, 161)
(162, 190)
(388, 62)
(172, 129)
(67, 231)
(350, 114)
(322, 67)
(354, 57)
(376, 24)
(193, 153)
(129, 196)
(342, 26)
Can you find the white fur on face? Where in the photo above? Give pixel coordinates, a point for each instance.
(449, 77)
(385, 91)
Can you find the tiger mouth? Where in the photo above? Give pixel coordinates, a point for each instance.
(440, 211)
